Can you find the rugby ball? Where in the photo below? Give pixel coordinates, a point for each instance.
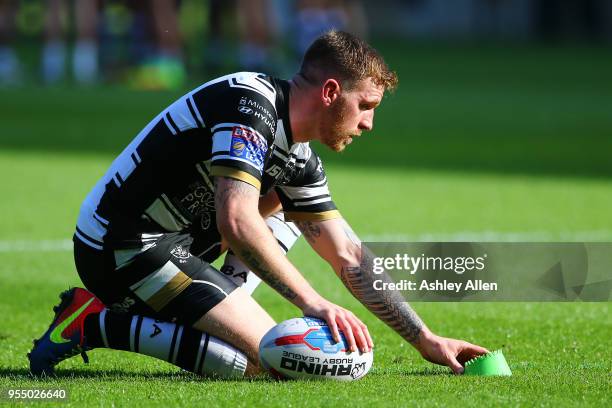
(303, 348)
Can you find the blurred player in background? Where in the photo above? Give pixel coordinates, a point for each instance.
(158, 45)
(85, 64)
(314, 17)
(155, 33)
(10, 67)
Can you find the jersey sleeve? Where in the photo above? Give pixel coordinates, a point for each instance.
(238, 153)
(242, 119)
(307, 196)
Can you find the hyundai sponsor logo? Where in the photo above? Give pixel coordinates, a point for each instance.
(246, 110)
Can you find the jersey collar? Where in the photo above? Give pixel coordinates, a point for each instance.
(282, 106)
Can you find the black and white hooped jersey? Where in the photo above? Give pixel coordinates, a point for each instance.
(235, 126)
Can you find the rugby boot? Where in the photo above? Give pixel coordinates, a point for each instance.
(65, 336)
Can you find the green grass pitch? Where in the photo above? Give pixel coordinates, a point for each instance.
(475, 143)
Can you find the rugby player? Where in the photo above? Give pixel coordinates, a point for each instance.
(204, 176)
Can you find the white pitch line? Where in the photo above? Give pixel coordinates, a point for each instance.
(46, 245)
(62, 245)
(495, 236)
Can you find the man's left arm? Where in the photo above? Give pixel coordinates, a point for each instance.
(336, 242)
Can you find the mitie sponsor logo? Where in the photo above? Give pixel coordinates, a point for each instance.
(249, 106)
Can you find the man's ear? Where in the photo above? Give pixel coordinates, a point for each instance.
(330, 91)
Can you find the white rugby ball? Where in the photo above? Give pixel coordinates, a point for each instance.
(303, 348)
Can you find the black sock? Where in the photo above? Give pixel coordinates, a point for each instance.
(93, 337)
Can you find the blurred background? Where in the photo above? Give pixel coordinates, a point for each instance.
(502, 120)
(162, 44)
(507, 85)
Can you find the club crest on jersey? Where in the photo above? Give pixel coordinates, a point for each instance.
(247, 145)
(180, 253)
(205, 221)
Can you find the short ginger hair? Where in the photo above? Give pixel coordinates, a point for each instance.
(347, 56)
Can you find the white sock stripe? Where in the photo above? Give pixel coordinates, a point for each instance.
(211, 284)
(102, 320)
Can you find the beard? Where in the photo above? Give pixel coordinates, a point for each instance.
(336, 135)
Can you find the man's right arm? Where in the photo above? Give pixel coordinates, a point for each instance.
(250, 239)
(240, 223)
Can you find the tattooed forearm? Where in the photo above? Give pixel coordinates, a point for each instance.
(390, 307)
(310, 230)
(243, 240)
(264, 273)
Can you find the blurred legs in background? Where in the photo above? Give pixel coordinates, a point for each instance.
(161, 64)
(85, 52)
(314, 17)
(256, 28)
(10, 68)
(54, 49)
(215, 53)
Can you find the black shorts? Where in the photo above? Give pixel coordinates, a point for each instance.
(165, 282)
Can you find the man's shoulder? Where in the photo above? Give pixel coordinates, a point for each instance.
(246, 99)
(251, 84)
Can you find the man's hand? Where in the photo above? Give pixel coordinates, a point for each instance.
(355, 331)
(449, 352)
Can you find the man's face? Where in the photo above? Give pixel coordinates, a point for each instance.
(350, 114)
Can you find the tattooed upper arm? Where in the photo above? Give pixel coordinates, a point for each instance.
(227, 188)
(310, 229)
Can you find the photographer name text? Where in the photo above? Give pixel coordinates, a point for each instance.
(422, 263)
(436, 285)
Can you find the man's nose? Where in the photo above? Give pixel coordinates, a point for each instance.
(367, 121)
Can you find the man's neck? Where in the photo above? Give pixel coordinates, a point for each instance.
(301, 112)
